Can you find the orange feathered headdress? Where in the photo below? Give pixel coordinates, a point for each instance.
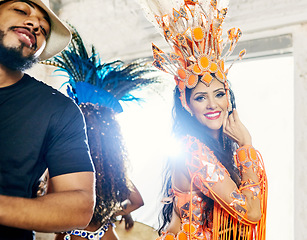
(193, 28)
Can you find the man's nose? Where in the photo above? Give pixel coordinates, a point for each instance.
(33, 23)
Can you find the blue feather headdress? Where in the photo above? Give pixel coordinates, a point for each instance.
(92, 81)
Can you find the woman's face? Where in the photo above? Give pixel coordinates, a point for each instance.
(209, 104)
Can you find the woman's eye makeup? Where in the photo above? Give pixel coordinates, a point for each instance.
(199, 98)
(220, 94)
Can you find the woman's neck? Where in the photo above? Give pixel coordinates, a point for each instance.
(215, 134)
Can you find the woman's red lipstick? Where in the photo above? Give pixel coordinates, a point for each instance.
(213, 115)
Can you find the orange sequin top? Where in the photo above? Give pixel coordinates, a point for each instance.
(224, 223)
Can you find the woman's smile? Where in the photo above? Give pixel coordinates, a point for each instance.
(213, 115)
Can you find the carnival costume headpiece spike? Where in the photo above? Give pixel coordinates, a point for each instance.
(91, 81)
(194, 31)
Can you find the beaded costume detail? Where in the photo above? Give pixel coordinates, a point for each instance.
(97, 235)
(230, 221)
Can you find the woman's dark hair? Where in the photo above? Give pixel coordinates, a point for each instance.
(184, 124)
(109, 157)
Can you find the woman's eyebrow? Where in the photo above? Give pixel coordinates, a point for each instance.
(218, 89)
(200, 93)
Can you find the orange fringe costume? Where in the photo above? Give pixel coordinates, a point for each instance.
(228, 221)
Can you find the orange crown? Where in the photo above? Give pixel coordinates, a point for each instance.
(195, 34)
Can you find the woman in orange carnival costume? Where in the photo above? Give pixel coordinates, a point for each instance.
(217, 188)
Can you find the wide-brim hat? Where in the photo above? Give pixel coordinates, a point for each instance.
(59, 33)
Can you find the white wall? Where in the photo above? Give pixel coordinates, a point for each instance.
(264, 91)
(300, 131)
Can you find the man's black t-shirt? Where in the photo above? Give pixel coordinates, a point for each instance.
(39, 128)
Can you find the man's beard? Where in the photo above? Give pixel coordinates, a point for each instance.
(13, 59)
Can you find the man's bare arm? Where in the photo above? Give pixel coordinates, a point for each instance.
(69, 206)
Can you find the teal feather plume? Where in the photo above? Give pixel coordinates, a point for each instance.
(91, 80)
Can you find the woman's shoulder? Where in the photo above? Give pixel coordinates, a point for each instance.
(201, 158)
(193, 144)
(198, 152)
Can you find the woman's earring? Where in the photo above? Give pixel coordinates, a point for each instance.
(224, 141)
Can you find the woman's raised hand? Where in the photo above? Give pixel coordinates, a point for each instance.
(234, 128)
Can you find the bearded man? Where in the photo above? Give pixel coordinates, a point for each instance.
(40, 128)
